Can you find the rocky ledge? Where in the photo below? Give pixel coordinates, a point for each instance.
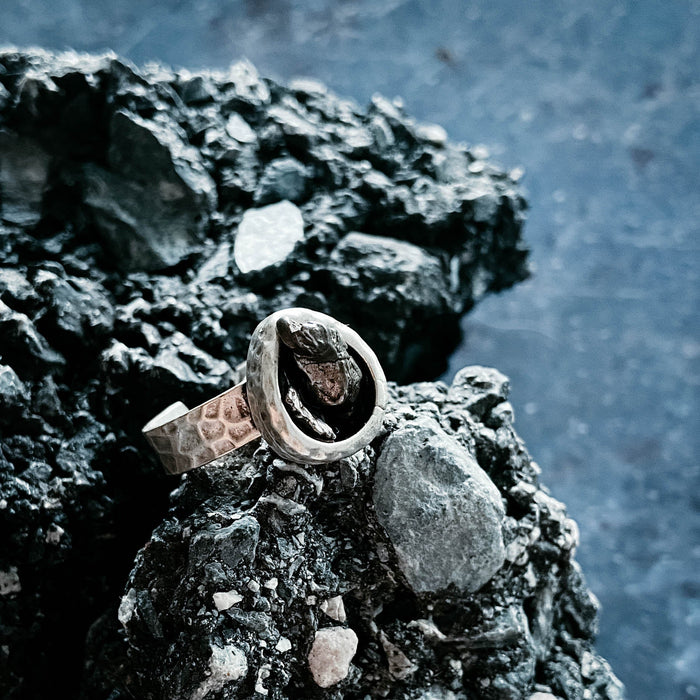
(148, 220)
(432, 565)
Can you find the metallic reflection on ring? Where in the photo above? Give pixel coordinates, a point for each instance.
(315, 391)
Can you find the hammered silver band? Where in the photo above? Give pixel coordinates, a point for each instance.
(185, 439)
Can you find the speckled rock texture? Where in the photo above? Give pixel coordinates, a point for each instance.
(287, 573)
(122, 194)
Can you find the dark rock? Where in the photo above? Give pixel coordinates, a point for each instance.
(229, 546)
(289, 581)
(22, 345)
(417, 295)
(178, 366)
(24, 171)
(151, 207)
(110, 172)
(284, 178)
(144, 170)
(74, 306)
(196, 90)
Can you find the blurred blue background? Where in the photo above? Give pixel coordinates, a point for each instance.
(599, 102)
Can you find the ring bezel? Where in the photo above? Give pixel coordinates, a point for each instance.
(267, 406)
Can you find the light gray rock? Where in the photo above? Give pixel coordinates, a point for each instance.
(12, 389)
(331, 654)
(239, 129)
(267, 236)
(227, 665)
(440, 509)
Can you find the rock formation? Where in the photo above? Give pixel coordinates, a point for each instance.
(148, 220)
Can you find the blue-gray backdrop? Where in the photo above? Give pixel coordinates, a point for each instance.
(599, 102)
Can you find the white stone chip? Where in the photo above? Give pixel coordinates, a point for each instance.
(253, 586)
(334, 608)
(54, 534)
(126, 607)
(9, 581)
(330, 656)
(226, 664)
(267, 236)
(283, 645)
(271, 583)
(263, 675)
(226, 599)
(429, 629)
(239, 129)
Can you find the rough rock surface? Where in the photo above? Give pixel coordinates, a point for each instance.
(121, 196)
(125, 171)
(440, 509)
(291, 540)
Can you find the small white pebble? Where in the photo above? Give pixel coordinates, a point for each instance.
(263, 675)
(226, 664)
(3, 503)
(127, 607)
(54, 534)
(253, 586)
(226, 599)
(330, 656)
(334, 608)
(271, 583)
(311, 600)
(283, 645)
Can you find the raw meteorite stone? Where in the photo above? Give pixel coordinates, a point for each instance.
(441, 511)
(322, 603)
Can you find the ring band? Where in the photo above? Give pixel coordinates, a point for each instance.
(314, 390)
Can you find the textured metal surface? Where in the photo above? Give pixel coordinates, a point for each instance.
(206, 432)
(187, 439)
(267, 404)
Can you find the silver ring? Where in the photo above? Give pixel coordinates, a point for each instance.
(314, 391)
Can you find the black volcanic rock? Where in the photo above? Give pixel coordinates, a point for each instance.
(432, 564)
(122, 194)
(121, 170)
